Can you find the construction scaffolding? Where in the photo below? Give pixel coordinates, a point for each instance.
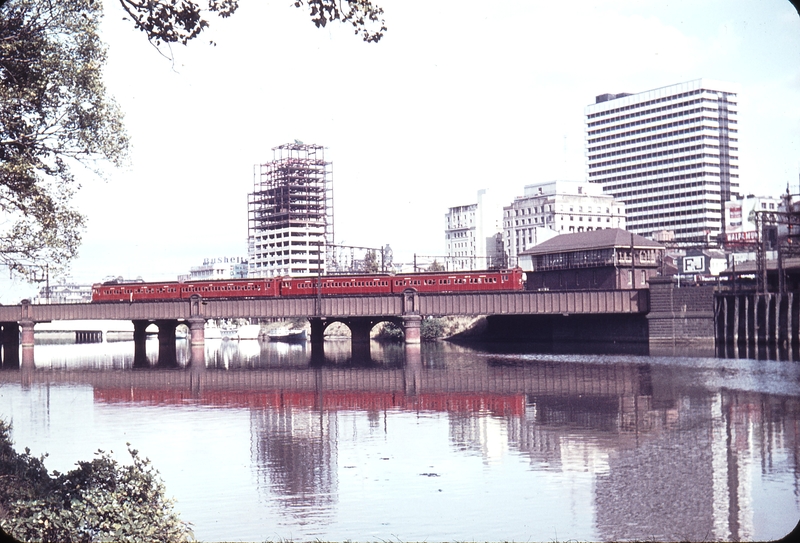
(290, 212)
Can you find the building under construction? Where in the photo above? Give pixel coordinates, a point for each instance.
(290, 213)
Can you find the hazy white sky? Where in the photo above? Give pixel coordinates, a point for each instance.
(458, 96)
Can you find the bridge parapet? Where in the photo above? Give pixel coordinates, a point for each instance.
(409, 303)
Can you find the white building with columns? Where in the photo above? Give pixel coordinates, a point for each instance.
(557, 207)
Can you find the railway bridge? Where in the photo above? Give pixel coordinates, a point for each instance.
(360, 313)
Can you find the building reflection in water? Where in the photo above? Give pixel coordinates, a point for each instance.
(294, 450)
(674, 452)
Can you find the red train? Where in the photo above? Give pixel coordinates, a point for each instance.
(332, 285)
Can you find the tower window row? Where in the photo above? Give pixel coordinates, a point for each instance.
(659, 137)
(651, 120)
(693, 120)
(660, 109)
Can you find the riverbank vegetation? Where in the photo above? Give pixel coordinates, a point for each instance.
(99, 500)
(434, 328)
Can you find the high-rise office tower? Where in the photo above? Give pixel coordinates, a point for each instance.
(671, 154)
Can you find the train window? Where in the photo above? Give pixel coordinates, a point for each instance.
(460, 281)
(505, 278)
(430, 281)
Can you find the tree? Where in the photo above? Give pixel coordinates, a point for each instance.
(178, 21)
(100, 500)
(371, 263)
(54, 116)
(435, 266)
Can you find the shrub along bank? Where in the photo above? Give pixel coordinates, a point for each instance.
(100, 500)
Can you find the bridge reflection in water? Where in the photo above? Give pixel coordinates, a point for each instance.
(672, 447)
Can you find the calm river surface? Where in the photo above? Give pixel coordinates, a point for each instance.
(437, 442)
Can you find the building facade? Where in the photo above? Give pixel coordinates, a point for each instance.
(671, 154)
(64, 291)
(740, 217)
(557, 207)
(610, 259)
(229, 267)
(290, 213)
(471, 235)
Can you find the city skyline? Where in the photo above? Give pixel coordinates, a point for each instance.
(451, 100)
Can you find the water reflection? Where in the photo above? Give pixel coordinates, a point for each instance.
(653, 448)
(295, 454)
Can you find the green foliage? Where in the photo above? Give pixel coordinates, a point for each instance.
(54, 115)
(371, 262)
(431, 329)
(390, 332)
(435, 266)
(178, 21)
(100, 500)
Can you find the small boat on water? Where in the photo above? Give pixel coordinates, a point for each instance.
(286, 334)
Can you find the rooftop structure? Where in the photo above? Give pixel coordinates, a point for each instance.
(290, 213)
(671, 154)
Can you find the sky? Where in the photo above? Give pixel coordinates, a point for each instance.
(458, 96)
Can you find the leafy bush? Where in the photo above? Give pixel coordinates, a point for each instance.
(100, 500)
(389, 332)
(431, 329)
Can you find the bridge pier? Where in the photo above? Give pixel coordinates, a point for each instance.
(26, 338)
(197, 341)
(10, 345)
(140, 344)
(167, 353)
(359, 339)
(317, 340)
(411, 328)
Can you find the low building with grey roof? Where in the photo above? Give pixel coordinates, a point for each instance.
(596, 260)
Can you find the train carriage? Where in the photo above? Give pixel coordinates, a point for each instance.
(342, 285)
(244, 288)
(142, 292)
(135, 292)
(443, 282)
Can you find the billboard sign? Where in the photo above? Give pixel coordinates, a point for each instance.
(694, 264)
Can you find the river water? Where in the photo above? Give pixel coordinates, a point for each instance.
(438, 442)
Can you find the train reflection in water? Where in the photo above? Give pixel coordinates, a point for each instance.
(667, 448)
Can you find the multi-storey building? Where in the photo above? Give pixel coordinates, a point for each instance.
(671, 154)
(290, 213)
(557, 207)
(229, 267)
(64, 292)
(471, 235)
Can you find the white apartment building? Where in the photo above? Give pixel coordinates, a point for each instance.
(227, 267)
(671, 154)
(290, 213)
(557, 207)
(471, 235)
